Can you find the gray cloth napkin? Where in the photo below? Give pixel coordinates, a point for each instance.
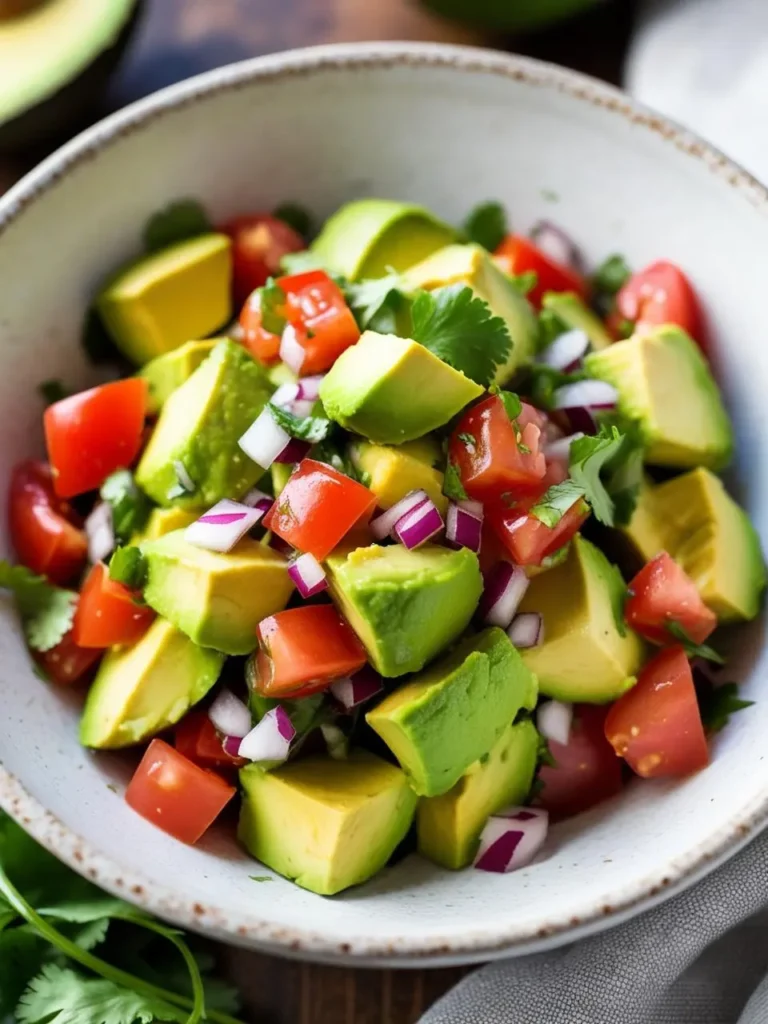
(664, 967)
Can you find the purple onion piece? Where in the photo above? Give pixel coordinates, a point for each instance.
(559, 246)
(511, 839)
(504, 590)
(222, 526)
(231, 745)
(308, 575)
(419, 525)
(294, 451)
(463, 529)
(383, 525)
(354, 690)
(270, 740)
(309, 387)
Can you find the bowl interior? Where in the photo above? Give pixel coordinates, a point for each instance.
(447, 128)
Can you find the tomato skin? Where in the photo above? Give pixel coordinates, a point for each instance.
(520, 256)
(92, 434)
(303, 650)
(259, 242)
(656, 726)
(108, 613)
(587, 770)
(262, 344)
(494, 464)
(67, 664)
(176, 795)
(317, 507)
(662, 294)
(196, 738)
(663, 593)
(44, 530)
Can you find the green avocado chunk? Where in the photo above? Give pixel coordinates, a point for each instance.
(143, 689)
(574, 314)
(449, 826)
(441, 721)
(405, 606)
(162, 521)
(198, 430)
(326, 824)
(168, 372)
(217, 599)
(368, 237)
(371, 388)
(163, 300)
(584, 656)
(666, 387)
(472, 266)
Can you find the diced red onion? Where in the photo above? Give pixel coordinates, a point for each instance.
(301, 408)
(356, 689)
(504, 590)
(527, 630)
(588, 394)
(294, 451)
(554, 720)
(278, 544)
(259, 500)
(475, 508)
(308, 575)
(222, 526)
(462, 528)
(336, 740)
(230, 716)
(182, 475)
(270, 740)
(566, 351)
(559, 451)
(309, 387)
(292, 352)
(100, 532)
(383, 525)
(582, 421)
(285, 395)
(264, 441)
(556, 244)
(231, 745)
(419, 525)
(511, 839)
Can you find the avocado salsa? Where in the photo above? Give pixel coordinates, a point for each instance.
(422, 551)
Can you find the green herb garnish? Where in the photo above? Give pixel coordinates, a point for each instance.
(178, 222)
(46, 611)
(487, 225)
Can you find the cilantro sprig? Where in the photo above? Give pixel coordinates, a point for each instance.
(305, 428)
(177, 222)
(378, 305)
(487, 225)
(272, 301)
(453, 488)
(692, 649)
(46, 611)
(129, 567)
(130, 506)
(718, 703)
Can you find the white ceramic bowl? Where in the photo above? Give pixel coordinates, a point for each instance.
(446, 127)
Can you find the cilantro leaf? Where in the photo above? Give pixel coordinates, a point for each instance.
(335, 454)
(272, 300)
(459, 328)
(298, 262)
(52, 391)
(512, 403)
(625, 475)
(612, 274)
(179, 221)
(693, 650)
(129, 567)
(453, 488)
(47, 611)
(542, 382)
(378, 304)
(718, 704)
(550, 327)
(130, 506)
(556, 501)
(588, 456)
(487, 225)
(307, 428)
(21, 956)
(295, 216)
(468, 440)
(525, 283)
(544, 754)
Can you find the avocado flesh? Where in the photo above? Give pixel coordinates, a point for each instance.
(162, 521)
(665, 386)
(472, 266)
(200, 425)
(141, 690)
(168, 372)
(574, 314)
(391, 473)
(449, 826)
(405, 606)
(325, 824)
(216, 599)
(162, 300)
(370, 389)
(583, 656)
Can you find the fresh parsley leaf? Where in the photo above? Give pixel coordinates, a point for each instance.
(52, 391)
(512, 403)
(130, 506)
(295, 216)
(179, 221)
(588, 456)
(487, 225)
(693, 650)
(307, 428)
(459, 328)
(556, 501)
(719, 703)
(612, 274)
(377, 305)
(453, 488)
(47, 611)
(272, 301)
(129, 567)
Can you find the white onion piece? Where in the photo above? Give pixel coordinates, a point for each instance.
(308, 575)
(309, 387)
(527, 630)
(560, 450)
(100, 532)
(590, 394)
(302, 408)
(229, 715)
(182, 475)
(270, 740)
(383, 525)
(264, 440)
(554, 720)
(292, 352)
(222, 526)
(503, 593)
(511, 839)
(285, 395)
(336, 741)
(566, 351)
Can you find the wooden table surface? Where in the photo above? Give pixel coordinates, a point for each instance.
(179, 38)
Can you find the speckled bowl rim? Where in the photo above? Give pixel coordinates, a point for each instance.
(249, 929)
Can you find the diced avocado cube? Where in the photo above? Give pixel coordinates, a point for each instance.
(449, 826)
(574, 314)
(471, 265)
(198, 429)
(164, 520)
(146, 688)
(326, 824)
(217, 599)
(391, 473)
(368, 237)
(280, 473)
(450, 715)
(406, 606)
(167, 372)
(163, 300)
(584, 656)
(371, 389)
(666, 387)
(279, 374)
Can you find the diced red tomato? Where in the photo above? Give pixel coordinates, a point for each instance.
(661, 294)
(92, 434)
(518, 255)
(68, 664)
(661, 594)
(317, 507)
(178, 796)
(302, 650)
(108, 613)
(259, 242)
(45, 532)
(492, 463)
(197, 739)
(262, 344)
(587, 770)
(656, 726)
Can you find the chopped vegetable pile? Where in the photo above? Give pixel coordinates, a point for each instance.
(407, 533)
